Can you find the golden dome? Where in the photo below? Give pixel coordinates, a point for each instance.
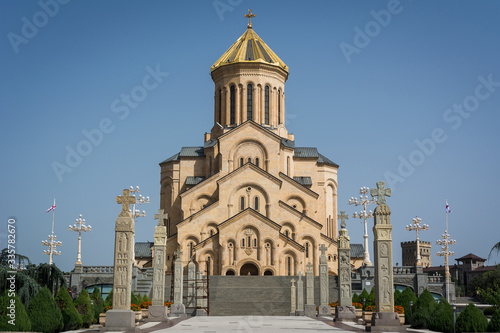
(249, 48)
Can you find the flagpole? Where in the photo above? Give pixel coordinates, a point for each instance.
(53, 217)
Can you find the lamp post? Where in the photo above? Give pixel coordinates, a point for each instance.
(417, 226)
(79, 226)
(52, 243)
(365, 202)
(445, 242)
(141, 200)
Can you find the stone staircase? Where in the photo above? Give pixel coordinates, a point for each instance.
(250, 295)
(144, 282)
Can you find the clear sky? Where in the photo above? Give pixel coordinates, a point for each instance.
(407, 92)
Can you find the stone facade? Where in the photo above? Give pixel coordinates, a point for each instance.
(248, 201)
(409, 253)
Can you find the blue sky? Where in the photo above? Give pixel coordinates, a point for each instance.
(375, 93)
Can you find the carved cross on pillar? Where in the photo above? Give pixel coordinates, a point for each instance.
(125, 200)
(309, 267)
(323, 249)
(381, 192)
(342, 216)
(178, 253)
(161, 217)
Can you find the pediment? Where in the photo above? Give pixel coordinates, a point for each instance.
(249, 216)
(256, 173)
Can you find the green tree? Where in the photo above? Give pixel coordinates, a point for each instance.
(484, 281)
(84, 308)
(471, 319)
(145, 298)
(13, 316)
(404, 300)
(71, 318)
(134, 300)
(423, 311)
(109, 299)
(491, 295)
(355, 298)
(397, 295)
(494, 325)
(370, 300)
(44, 314)
(443, 317)
(98, 303)
(495, 248)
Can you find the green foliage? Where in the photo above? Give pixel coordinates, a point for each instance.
(491, 295)
(355, 299)
(44, 314)
(84, 308)
(404, 299)
(71, 318)
(134, 299)
(495, 248)
(145, 298)
(484, 281)
(13, 316)
(364, 294)
(98, 305)
(397, 295)
(109, 299)
(443, 317)
(494, 325)
(423, 312)
(471, 319)
(370, 300)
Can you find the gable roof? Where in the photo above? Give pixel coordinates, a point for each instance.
(304, 181)
(299, 186)
(255, 168)
(253, 212)
(312, 152)
(186, 152)
(357, 251)
(470, 256)
(143, 249)
(300, 214)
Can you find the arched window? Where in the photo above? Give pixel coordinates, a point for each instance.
(209, 261)
(191, 246)
(289, 265)
(211, 232)
(249, 160)
(279, 106)
(243, 242)
(266, 106)
(220, 106)
(241, 162)
(257, 162)
(232, 104)
(256, 203)
(307, 249)
(255, 242)
(242, 203)
(288, 166)
(249, 101)
(249, 242)
(287, 233)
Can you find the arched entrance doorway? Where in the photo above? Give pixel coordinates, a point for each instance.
(249, 269)
(230, 272)
(268, 272)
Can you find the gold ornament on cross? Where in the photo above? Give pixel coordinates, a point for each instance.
(249, 15)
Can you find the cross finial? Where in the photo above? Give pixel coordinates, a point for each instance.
(309, 267)
(342, 216)
(178, 253)
(125, 200)
(323, 249)
(381, 192)
(249, 15)
(160, 217)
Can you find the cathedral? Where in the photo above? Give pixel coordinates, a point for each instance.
(248, 201)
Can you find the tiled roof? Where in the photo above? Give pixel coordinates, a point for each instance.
(306, 152)
(171, 158)
(192, 152)
(470, 256)
(305, 181)
(357, 251)
(195, 180)
(288, 143)
(210, 143)
(325, 160)
(143, 249)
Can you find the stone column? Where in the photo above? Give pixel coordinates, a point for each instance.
(385, 318)
(324, 307)
(201, 293)
(191, 283)
(310, 308)
(293, 298)
(158, 311)
(344, 311)
(177, 308)
(121, 317)
(300, 296)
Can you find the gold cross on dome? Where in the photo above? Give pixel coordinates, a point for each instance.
(249, 15)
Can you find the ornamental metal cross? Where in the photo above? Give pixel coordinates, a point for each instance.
(323, 249)
(125, 200)
(342, 216)
(161, 217)
(381, 192)
(249, 15)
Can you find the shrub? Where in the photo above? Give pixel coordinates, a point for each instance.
(404, 299)
(423, 310)
(84, 308)
(370, 308)
(494, 325)
(98, 303)
(109, 299)
(471, 319)
(364, 294)
(370, 300)
(20, 322)
(397, 296)
(71, 318)
(44, 314)
(355, 298)
(490, 311)
(357, 305)
(145, 298)
(443, 317)
(135, 307)
(134, 299)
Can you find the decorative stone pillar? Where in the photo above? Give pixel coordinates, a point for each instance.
(324, 306)
(121, 317)
(300, 296)
(158, 311)
(201, 293)
(385, 318)
(191, 296)
(344, 311)
(310, 308)
(293, 299)
(177, 308)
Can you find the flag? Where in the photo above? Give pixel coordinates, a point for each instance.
(448, 210)
(52, 207)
